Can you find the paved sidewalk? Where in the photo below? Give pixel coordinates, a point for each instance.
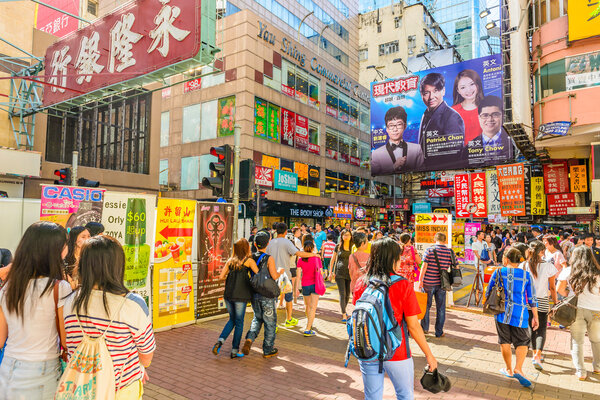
(313, 368)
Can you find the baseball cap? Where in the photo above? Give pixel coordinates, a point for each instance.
(261, 239)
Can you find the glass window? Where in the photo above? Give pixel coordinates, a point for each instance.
(313, 137)
(191, 124)
(331, 181)
(363, 54)
(275, 82)
(331, 144)
(163, 174)
(344, 108)
(213, 79)
(301, 86)
(314, 175)
(331, 101)
(353, 117)
(343, 183)
(190, 171)
(365, 119)
(209, 116)
(397, 22)
(365, 153)
(344, 148)
(388, 48)
(313, 92)
(289, 78)
(553, 78)
(164, 129)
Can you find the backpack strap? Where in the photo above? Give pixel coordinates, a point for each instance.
(109, 324)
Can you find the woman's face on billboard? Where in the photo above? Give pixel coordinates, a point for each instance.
(467, 88)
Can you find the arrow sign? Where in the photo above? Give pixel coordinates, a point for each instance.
(434, 219)
(445, 219)
(174, 232)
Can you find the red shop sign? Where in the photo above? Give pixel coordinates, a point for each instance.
(556, 177)
(194, 84)
(263, 176)
(140, 38)
(301, 132)
(314, 148)
(439, 193)
(559, 203)
(288, 127)
(461, 195)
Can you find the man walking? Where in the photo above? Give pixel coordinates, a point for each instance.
(320, 236)
(436, 257)
(282, 249)
(482, 255)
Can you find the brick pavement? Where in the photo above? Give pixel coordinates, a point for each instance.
(313, 368)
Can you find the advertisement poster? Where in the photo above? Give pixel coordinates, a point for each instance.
(226, 116)
(301, 139)
(263, 176)
(471, 229)
(479, 194)
(581, 72)
(458, 240)
(579, 182)
(215, 236)
(556, 177)
(302, 171)
(583, 19)
(511, 183)
(427, 225)
(129, 218)
(55, 22)
(260, 117)
(493, 193)
(559, 203)
(71, 206)
(273, 123)
(270, 162)
(418, 122)
(285, 180)
(461, 195)
(288, 127)
(173, 286)
(538, 197)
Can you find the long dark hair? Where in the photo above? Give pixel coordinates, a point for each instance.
(585, 270)
(474, 76)
(385, 252)
(38, 255)
(344, 231)
(75, 231)
(101, 264)
(534, 259)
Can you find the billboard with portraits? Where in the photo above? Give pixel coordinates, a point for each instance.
(445, 118)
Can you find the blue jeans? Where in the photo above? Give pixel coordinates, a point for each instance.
(440, 308)
(236, 310)
(264, 313)
(28, 380)
(401, 373)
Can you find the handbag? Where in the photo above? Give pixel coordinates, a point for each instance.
(455, 272)
(434, 381)
(445, 281)
(64, 355)
(565, 312)
(320, 282)
(494, 303)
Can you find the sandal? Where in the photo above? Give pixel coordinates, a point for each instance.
(504, 372)
(522, 380)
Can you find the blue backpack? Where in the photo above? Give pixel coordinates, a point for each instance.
(373, 331)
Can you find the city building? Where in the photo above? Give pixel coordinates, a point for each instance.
(392, 38)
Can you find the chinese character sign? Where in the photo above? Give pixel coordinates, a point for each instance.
(511, 183)
(288, 127)
(559, 203)
(418, 122)
(579, 181)
(263, 176)
(127, 43)
(55, 22)
(556, 177)
(461, 195)
(538, 197)
(493, 193)
(584, 19)
(479, 194)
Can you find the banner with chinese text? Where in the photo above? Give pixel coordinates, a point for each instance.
(461, 195)
(273, 123)
(493, 193)
(226, 116)
(511, 183)
(71, 206)
(479, 194)
(129, 218)
(288, 127)
(301, 138)
(559, 203)
(538, 197)
(556, 177)
(215, 243)
(579, 182)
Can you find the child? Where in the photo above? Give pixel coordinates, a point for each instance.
(327, 250)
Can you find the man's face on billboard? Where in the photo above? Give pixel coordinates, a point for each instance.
(490, 120)
(432, 97)
(395, 129)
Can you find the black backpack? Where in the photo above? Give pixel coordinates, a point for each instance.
(262, 282)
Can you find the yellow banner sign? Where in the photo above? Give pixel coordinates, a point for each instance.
(584, 19)
(579, 182)
(538, 197)
(270, 162)
(173, 283)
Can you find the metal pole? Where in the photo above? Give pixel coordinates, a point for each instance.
(62, 11)
(74, 168)
(394, 201)
(236, 180)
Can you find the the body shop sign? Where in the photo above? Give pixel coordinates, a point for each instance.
(140, 38)
(285, 180)
(263, 176)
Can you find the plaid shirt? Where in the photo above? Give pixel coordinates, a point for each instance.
(520, 292)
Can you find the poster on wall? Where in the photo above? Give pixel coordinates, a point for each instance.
(558, 204)
(215, 237)
(288, 127)
(511, 183)
(173, 283)
(458, 240)
(301, 138)
(471, 229)
(55, 22)
(226, 116)
(273, 123)
(424, 121)
(427, 225)
(579, 182)
(71, 206)
(129, 218)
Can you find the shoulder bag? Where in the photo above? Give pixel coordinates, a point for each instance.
(444, 274)
(262, 282)
(565, 312)
(494, 303)
(455, 272)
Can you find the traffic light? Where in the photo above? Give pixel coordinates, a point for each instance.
(263, 203)
(64, 176)
(246, 179)
(220, 181)
(87, 183)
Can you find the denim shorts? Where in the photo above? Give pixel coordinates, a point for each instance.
(25, 380)
(308, 290)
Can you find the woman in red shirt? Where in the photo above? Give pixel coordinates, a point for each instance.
(385, 257)
(467, 94)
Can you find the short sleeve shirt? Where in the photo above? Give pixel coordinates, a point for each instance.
(545, 271)
(477, 246)
(432, 275)
(319, 239)
(404, 302)
(281, 249)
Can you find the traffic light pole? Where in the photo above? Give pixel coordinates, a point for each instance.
(236, 180)
(74, 162)
(258, 221)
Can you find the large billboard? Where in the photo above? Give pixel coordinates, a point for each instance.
(54, 22)
(440, 119)
(584, 19)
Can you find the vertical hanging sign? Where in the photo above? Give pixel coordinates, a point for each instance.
(288, 127)
(493, 193)
(461, 195)
(579, 181)
(538, 198)
(511, 182)
(479, 194)
(301, 132)
(556, 177)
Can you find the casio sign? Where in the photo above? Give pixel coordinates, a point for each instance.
(79, 194)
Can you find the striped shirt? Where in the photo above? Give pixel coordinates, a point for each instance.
(519, 292)
(130, 332)
(328, 249)
(432, 275)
